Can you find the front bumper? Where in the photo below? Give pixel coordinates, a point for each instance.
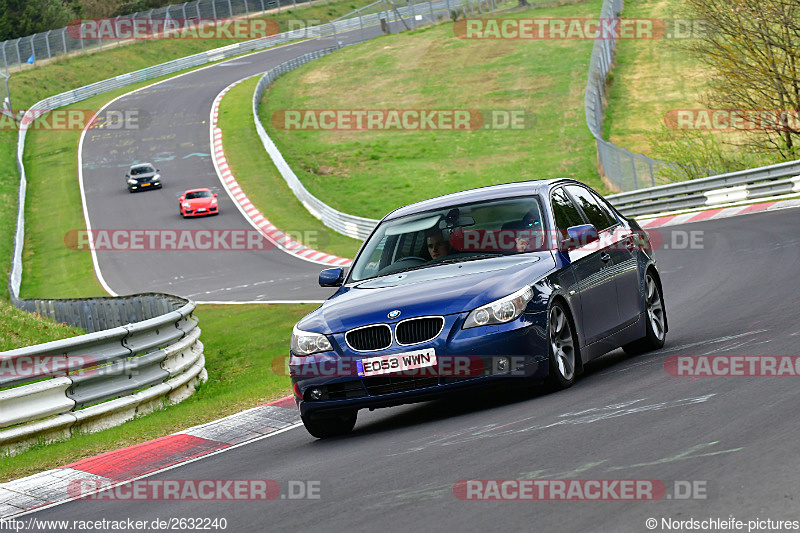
(465, 359)
(144, 186)
(197, 213)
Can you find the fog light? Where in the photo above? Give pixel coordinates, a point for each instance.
(315, 393)
(502, 364)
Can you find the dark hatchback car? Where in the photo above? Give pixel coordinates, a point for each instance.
(142, 176)
(529, 279)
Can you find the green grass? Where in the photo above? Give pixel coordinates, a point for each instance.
(257, 175)
(651, 77)
(20, 328)
(66, 73)
(369, 173)
(241, 344)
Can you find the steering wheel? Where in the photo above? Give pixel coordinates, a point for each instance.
(411, 258)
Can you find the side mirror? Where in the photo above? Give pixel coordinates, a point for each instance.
(579, 236)
(127, 175)
(215, 195)
(181, 199)
(331, 277)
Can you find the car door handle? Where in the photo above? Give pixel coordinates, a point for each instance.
(604, 257)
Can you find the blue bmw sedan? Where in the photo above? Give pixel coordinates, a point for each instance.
(529, 280)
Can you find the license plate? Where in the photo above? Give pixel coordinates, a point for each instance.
(201, 210)
(145, 184)
(396, 362)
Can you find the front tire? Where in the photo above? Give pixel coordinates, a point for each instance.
(655, 320)
(563, 347)
(332, 425)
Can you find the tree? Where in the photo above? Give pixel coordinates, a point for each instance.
(752, 49)
(43, 15)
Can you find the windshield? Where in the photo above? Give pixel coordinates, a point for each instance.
(198, 194)
(451, 235)
(142, 170)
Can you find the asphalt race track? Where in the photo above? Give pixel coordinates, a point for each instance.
(173, 133)
(735, 439)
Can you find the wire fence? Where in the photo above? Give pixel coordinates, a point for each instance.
(624, 169)
(16, 54)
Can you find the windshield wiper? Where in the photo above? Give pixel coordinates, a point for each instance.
(451, 260)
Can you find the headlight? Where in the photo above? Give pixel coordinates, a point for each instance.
(157, 177)
(306, 343)
(186, 205)
(500, 311)
(214, 201)
(132, 181)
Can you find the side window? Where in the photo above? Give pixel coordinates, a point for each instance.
(565, 212)
(597, 213)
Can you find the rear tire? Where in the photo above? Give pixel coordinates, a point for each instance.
(655, 315)
(563, 348)
(333, 425)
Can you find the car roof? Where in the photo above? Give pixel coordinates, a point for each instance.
(142, 165)
(197, 190)
(489, 192)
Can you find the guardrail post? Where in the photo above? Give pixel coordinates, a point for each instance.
(361, 23)
(33, 50)
(246, 10)
(214, 8)
(183, 12)
(230, 9)
(5, 61)
(413, 15)
(197, 6)
(430, 7)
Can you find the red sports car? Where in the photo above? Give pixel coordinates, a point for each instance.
(198, 202)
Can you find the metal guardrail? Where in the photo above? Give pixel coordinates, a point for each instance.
(346, 224)
(630, 169)
(102, 378)
(350, 225)
(762, 182)
(123, 80)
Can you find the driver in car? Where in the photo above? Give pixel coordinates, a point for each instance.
(437, 245)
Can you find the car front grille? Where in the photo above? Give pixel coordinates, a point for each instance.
(386, 385)
(417, 330)
(369, 338)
